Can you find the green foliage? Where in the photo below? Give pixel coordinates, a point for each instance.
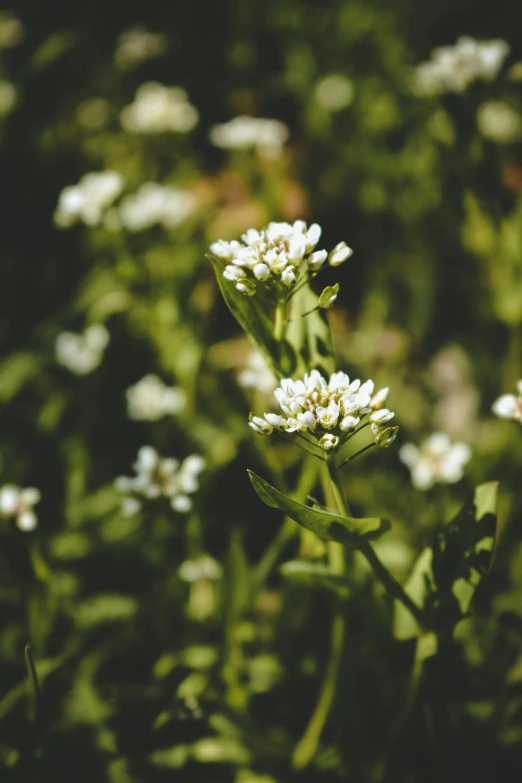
(349, 532)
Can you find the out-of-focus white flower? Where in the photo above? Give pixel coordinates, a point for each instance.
(138, 45)
(93, 113)
(8, 97)
(159, 109)
(436, 461)
(150, 399)
(204, 567)
(82, 353)
(276, 257)
(256, 374)
(509, 406)
(454, 68)
(11, 30)
(157, 477)
(250, 132)
(157, 204)
(498, 122)
(88, 200)
(327, 411)
(334, 92)
(18, 503)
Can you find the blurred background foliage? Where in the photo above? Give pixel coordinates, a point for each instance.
(156, 670)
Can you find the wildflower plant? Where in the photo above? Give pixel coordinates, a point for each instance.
(265, 279)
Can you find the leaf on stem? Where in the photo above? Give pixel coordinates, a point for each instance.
(446, 574)
(327, 525)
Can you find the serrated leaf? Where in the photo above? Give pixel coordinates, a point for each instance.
(446, 575)
(316, 575)
(348, 531)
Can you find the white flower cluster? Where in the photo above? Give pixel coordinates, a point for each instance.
(256, 374)
(138, 45)
(509, 406)
(155, 204)
(276, 256)
(205, 567)
(157, 477)
(88, 200)
(454, 68)
(436, 461)
(82, 353)
(150, 399)
(328, 410)
(159, 109)
(250, 132)
(18, 503)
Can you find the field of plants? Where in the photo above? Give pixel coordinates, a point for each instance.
(261, 392)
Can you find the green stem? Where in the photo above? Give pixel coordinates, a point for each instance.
(392, 586)
(280, 320)
(309, 742)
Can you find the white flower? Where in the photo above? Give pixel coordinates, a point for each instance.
(498, 122)
(155, 204)
(339, 254)
(159, 109)
(82, 353)
(88, 200)
(17, 502)
(249, 132)
(205, 567)
(436, 461)
(256, 374)
(150, 399)
(454, 68)
(379, 398)
(509, 406)
(277, 257)
(329, 410)
(138, 45)
(158, 477)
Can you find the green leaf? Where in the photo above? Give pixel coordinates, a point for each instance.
(316, 575)
(348, 531)
(250, 313)
(446, 574)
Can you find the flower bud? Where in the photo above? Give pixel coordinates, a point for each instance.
(233, 273)
(247, 287)
(317, 259)
(339, 254)
(379, 398)
(329, 442)
(384, 437)
(328, 296)
(261, 272)
(259, 425)
(288, 276)
(381, 417)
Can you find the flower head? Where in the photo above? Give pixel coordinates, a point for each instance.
(509, 406)
(277, 257)
(159, 109)
(150, 399)
(436, 461)
(328, 411)
(82, 353)
(88, 200)
(157, 477)
(18, 503)
(244, 132)
(454, 68)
